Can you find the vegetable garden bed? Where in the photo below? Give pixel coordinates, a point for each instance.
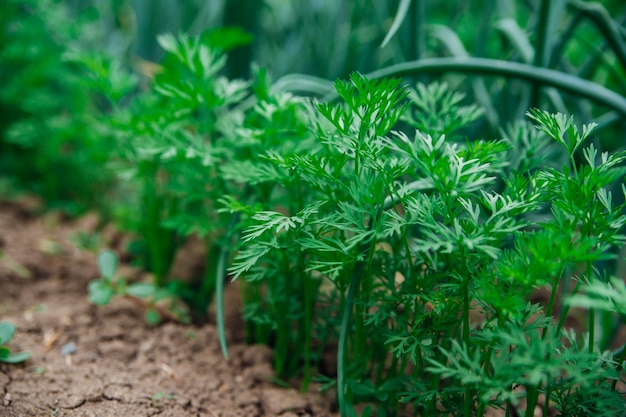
(430, 245)
(91, 361)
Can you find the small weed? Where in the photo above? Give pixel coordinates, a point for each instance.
(159, 303)
(7, 331)
(40, 308)
(161, 395)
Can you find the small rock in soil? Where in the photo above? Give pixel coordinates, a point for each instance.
(68, 349)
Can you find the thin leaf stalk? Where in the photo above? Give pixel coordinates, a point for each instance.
(620, 361)
(486, 369)
(592, 312)
(343, 338)
(355, 280)
(152, 202)
(220, 279)
(467, 402)
(280, 310)
(533, 393)
(532, 398)
(610, 29)
(309, 301)
(552, 299)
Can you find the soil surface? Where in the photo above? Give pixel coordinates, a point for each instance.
(106, 361)
(91, 361)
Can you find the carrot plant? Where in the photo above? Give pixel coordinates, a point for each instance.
(193, 138)
(170, 142)
(370, 224)
(418, 255)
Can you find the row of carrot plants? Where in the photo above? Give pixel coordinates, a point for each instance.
(369, 224)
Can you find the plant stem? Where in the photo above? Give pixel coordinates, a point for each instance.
(466, 339)
(592, 313)
(533, 393)
(345, 320)
(620, 361)
(152, 201)
(220, 278)
(532, 398)
(309, 299)
(343, 338)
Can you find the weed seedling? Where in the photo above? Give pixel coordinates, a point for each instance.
(7, 331)
(159, 303)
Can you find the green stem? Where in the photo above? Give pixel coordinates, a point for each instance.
(357, 273)
(565, 310)
(592, 314)
(551, 302)
(467, 403)
(532, 392)
(309, 299)
(532, 398)
(343, 338)
(220, 278)
(620, 361)
(280, 308)
(152, 201)
(482, 405)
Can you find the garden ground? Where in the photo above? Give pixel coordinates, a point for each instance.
(106, 361)
(90, 361)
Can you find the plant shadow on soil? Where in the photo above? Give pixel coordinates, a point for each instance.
(106, 361)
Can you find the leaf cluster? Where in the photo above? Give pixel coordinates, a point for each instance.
(419, 234)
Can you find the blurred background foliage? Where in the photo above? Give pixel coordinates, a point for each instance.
(45, 111)
(47, 135)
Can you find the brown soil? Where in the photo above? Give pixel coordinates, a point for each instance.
(106, 361)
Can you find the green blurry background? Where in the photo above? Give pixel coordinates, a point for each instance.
(47, 116)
